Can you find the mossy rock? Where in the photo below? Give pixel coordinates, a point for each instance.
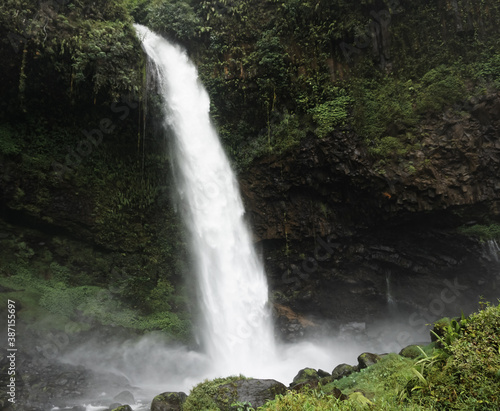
(323, 374)
(366, 359)
(123, 408)
(343, 370)
(255, 392)
(411, 351)
(209, 394)
(305, 375)
(168, 401)
(326, 380)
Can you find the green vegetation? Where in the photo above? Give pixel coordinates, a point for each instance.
(441, 86)
(68, 52)
(465, 373)
(384, 106)
(276, 71)
(332, 114)
(42, 279)
(489, 70)
(483, 232)
(176, 17)
(208, 394)
(308, 400)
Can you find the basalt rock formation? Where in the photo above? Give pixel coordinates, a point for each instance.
(342, 235)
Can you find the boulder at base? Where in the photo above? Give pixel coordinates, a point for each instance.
(168, 401)
(342, 370)
(253, 392)
(366, 359)
(123, 408)
(305, 375)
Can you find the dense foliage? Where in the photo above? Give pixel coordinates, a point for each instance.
(277, 71)
(64, 51)
(465, 374)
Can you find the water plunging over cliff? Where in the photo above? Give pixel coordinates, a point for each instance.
(237, 331)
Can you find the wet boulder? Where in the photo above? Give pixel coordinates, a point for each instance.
(306, 375)
(168, 401)
(366, 359)
(342, 370)
(252, 392)
(411, 351)
(123, 408)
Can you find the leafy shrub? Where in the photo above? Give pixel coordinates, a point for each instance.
(331, 114)
(106, 52)
(476, 360)
(489, 70)
(483, 232)
(465, 375)
(166, 321)
(383, 107)
(441, 86)
(176, 18)
(388, 146)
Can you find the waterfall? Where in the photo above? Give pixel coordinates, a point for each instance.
(491, 253)
(493, 250)
(391, 303)
(236, 330)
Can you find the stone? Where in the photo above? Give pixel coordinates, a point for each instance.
(122, 408)
(168, 401)
(249, 391)
(310, 384)
(411, 351)
(366, 359)
(323, 374)
(304, 375)
(342, 370)
(326, 380)
(125, 397)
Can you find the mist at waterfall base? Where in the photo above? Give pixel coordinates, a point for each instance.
(236, 333)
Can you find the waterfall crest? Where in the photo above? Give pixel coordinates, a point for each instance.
(237, 331)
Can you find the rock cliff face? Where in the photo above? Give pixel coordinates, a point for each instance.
(346, 236)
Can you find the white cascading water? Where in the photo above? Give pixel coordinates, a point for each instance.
(237, 331)
(493, 249)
